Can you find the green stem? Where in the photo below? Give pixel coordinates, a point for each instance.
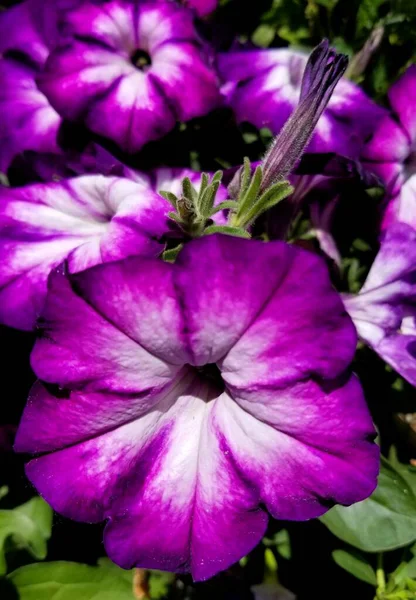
(380, 576)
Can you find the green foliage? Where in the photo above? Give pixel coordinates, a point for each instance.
(26, 527)
(385, 521)
(73, 581)
(70, 581)
(356, 564)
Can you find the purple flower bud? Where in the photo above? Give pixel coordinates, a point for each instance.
(323, 71)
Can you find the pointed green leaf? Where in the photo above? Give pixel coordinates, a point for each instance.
(171, 254)
(204, 183)
(250, 197)
(26, 527)
(231, 204)
(208, 198)
(175, 217)
(356, 564)
(189, 191)
(217, 177)
(170, 197)
(266, 201)
(245, 177)
(385, 521)
(227, 230)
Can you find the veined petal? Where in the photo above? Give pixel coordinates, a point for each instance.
(94, 353)
(97, 70)
(28, 121)
(88, 219)
(205, 441)
(131, 474)
(186, 467)
(279, 345)
(299, 447)
(383, 310)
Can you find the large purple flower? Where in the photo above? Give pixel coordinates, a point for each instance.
(88, 219)
(28, 122)
(384, 311)
(130, 70)
(184, 402)
(391, 153)
(263, 87)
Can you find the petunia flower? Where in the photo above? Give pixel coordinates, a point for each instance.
(391, 152)
(384, 312)
(263, 87)
(130, 70)
(87, 219)
(186, 402)
(28, 122)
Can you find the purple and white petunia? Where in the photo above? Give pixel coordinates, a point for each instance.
(88, 220)
(263, 87)
(130, 70)
(28, 122)
(391, 152)
(186, 402)
(384, 311)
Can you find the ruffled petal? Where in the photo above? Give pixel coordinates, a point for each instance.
(230, 466)
(93, 73)
(28, 121)
(94, 352)
(382, 312)
(89, 219)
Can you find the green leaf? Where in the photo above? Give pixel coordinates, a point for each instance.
(171, 254)
(356, 564)
(227, 230)
(263, 35)
(385, 521)
(245, 177)
(189, 191)
(231, 204)
(159, 583)
(27, 527)
(169, 196)
(275, 194)
(73, 581)
(217, 177)
(4, 490)
(204, 183)
(206, 200)
(408, 472)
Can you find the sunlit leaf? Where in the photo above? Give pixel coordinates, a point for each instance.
(385, 521)
(27, 527)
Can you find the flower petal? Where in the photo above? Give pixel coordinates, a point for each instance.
(131, 475)
(389, 143)
(279, 345)
(401, 96)
(28, 121)
(90, 218)
(94, 353)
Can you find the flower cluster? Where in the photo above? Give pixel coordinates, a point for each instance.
(194, 366)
